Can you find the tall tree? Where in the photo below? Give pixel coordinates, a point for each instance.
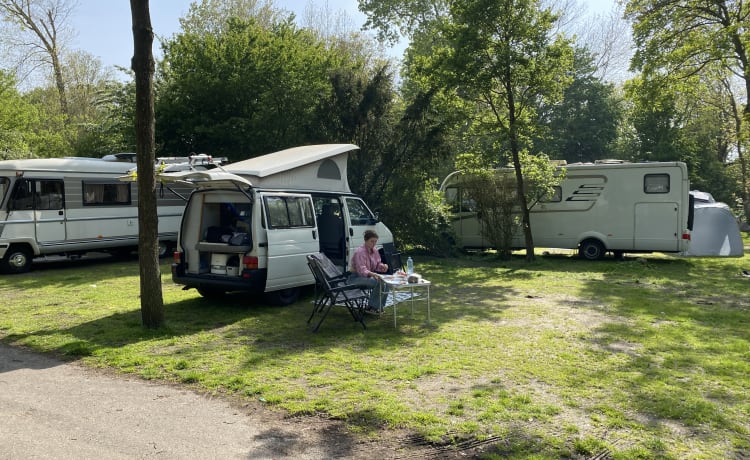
(503, 56)
(682, 38)
(584, 124)
(41, 32)
(152, 303)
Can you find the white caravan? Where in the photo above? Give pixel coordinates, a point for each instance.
(605, 206)
(249, 226)
(70, 206)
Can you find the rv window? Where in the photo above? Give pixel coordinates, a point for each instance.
(4, 184)
(48, 194)
(656, 183)
(23, 196)
(106, 194)
(289, 211)
(554, 197)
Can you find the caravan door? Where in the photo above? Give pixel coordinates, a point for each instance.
(657, 227)
(292, 235)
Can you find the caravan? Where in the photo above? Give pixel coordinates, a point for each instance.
(70, 206)
(613, 206)
(250, 225)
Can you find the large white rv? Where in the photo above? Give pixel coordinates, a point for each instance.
(611, 206)
(70, 206)
(250, 225)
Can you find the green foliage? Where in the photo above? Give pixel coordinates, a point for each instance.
(245, 91)
(582, 127)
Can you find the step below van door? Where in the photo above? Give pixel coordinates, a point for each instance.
(292, 236)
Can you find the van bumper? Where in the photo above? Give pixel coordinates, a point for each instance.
(249, 280)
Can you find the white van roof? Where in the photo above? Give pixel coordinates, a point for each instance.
(309, 167)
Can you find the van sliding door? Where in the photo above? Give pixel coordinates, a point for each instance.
(292, 235)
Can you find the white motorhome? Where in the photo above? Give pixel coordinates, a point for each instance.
(249, 226)
(70, 206)
(605, 206)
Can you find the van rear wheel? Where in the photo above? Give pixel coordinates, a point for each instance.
(283, 297)
(17, 260)
(591, 249)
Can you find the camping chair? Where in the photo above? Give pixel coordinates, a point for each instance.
(334, 290)
(389, 256)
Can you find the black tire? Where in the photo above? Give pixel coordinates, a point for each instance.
(17, 260)
(591, 249)
(211, 293)
(283, 297)
(165, 249)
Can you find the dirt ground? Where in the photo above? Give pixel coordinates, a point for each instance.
(53, 409)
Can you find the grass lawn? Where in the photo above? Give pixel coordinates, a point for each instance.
(642, 358)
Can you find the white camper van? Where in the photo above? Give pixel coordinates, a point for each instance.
(605, 206)
(70, 206)
(249, 226)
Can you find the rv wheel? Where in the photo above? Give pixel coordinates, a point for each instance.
(591, 250)
(17, 260)
(283, 297)
(165, 249)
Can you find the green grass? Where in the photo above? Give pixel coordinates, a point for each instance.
(644, 358)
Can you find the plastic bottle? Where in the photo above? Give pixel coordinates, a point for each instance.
(409, 266)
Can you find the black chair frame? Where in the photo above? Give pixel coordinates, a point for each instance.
(334, 290)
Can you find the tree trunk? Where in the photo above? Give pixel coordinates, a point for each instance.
(152, 303)
(514, 150)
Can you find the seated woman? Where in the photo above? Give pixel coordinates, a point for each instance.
(366, 267)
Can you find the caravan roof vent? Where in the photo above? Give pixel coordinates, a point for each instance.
(610, 161)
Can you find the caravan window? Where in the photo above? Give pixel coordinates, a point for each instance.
(656, 183)
(289, 211)
(106, 193)
(37, 194)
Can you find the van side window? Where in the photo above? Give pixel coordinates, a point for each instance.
(289, 211)
(106, 193)
(656, 183)
(359, 214)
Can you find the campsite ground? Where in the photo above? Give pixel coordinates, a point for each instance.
(639, 358)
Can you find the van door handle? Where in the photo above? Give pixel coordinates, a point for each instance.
(314, 235)
(60, 212)
(351, 231)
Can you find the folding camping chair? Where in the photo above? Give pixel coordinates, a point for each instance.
(334, 290)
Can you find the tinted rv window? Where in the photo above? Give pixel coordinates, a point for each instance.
(37, 194)
(4, 184)
(289, 211)
(656, 183)
(106, 194)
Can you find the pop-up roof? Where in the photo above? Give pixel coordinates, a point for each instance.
(310, 167)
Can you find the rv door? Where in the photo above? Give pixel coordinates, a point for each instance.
(45, 198)
(292, 235)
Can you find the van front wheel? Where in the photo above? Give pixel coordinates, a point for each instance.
(591, 250)
(283, 297)
(17, 260)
